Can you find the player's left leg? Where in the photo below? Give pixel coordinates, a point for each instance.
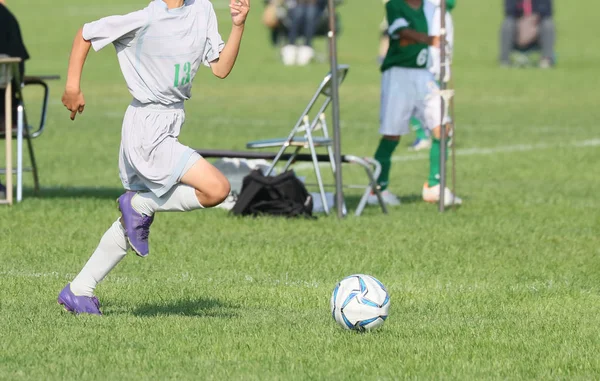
(431, 113)
(78, 296)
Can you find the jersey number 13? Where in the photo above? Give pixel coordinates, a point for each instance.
(182, 77)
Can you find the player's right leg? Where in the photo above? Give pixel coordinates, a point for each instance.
(199, 185)
(162, 176)
(397, 103)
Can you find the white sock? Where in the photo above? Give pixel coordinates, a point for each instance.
(181, 198)
(111, 249)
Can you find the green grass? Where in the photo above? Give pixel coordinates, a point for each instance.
(504, 288)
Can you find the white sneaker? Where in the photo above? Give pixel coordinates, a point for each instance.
(305, 55)
(545, 63)
(388, 198)
(432, 194)
(288, 54)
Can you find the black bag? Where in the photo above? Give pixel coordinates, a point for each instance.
(281, 195)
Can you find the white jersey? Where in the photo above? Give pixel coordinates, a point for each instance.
(434, 24)
(160, 49)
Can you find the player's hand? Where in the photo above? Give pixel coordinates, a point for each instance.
(435, 41)
(239, 11)
(73, 101)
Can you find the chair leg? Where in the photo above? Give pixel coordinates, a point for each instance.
(372, 175)
(323, 122)
(292, 158)
(313, 154)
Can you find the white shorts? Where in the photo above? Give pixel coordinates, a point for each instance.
(407, 93)
(151, 157)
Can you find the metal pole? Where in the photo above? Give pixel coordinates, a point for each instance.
(335, 103)
(442, 88)
(453, 165)
(8, 132)
(19, 153)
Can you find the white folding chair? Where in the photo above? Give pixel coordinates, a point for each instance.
(19, 127)
(302, 136)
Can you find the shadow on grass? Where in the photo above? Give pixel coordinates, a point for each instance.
(201, 307)
(410, 198)
(73, 192)
(352, 200)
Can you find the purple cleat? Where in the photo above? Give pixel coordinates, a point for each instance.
(137, 225)
(78, 304)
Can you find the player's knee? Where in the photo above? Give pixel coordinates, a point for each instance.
(224, 190)
(218, 192)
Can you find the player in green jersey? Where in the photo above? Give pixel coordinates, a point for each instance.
(409, 90)
(422, 138)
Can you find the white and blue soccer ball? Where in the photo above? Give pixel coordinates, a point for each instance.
(360, 302)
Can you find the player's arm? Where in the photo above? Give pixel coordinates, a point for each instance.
(73, 97)
(399, 29)
(420, 38)
(222, 66)
(97, 35)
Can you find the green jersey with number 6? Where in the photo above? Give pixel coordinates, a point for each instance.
(404, 52)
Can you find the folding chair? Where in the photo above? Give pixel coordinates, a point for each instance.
(303, 136)
(19, 126)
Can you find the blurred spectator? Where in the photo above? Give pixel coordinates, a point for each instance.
(527, 26)
(303, 19)
(294, 24)
(11, 44)
(11, 41)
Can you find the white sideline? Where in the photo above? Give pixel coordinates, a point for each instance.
(482, 151)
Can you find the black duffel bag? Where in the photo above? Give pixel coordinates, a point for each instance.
(282, 195)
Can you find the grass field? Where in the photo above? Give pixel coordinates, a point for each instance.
(507, 287)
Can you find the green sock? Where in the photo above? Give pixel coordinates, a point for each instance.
(434, 162)
(384, 156)
(417, 127)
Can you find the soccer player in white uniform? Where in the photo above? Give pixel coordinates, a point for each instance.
(159, 49)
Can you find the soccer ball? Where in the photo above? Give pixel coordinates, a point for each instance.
(360, 302)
